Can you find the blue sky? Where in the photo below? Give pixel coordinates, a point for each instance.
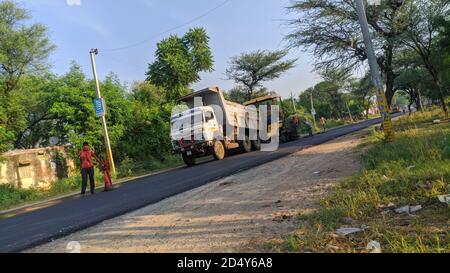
(76, 26)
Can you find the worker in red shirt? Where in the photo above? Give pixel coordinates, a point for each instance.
(87, 168)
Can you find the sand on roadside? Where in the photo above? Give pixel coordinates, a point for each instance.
(233, 214)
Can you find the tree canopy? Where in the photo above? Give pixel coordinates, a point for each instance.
(179, 60)
(330, 30)
(24, 49)
(252, 69)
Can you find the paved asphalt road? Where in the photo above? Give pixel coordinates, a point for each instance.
(28, 229)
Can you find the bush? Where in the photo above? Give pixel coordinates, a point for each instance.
(446, 152)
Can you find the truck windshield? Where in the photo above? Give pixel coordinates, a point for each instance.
(186, 120)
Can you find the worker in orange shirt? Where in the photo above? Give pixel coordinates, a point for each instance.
(87, 168)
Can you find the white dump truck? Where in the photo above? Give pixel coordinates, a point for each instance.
(211, 125)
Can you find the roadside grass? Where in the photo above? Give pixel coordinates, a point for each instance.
(11, 197)
(130, 168)
(333, 123)
(413, 170)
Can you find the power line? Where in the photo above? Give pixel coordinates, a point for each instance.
(168, 30)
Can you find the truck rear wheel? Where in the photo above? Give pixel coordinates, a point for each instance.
(256, 145)
(246, 145)
(189, 160)
(219, 150)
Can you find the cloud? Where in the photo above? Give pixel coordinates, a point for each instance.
(73, 2)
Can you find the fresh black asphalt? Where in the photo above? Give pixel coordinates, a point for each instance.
(28, 229)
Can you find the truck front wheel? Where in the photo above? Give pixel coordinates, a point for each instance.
(219, 150)
(189, 160)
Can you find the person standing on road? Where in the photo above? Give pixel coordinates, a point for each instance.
(87, 168)
(323, 124)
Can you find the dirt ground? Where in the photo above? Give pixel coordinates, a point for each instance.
(235, 214)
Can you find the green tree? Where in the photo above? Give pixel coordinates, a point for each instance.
(73, 111)
(179, 60)
(24, 49)
(413, 80)
(147, 131)
(423, 21)
(252, 69)
(36, 95)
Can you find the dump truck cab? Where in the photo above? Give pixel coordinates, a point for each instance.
(193, 127)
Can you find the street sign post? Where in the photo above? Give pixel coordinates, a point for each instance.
(100, 111)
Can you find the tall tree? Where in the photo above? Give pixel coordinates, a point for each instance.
(330, 29)
(423, 21)
(252, 69)
(24, 49)
(147, 131)
(179, 61)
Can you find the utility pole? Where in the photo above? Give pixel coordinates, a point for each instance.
(375, 71)
(349, 112)
(313, 110)
(94, 52)
(293, 103)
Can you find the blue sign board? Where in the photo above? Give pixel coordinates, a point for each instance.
(99, 106)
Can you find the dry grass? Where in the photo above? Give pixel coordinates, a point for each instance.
(413, 170)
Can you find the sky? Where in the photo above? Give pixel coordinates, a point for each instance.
(126, 33)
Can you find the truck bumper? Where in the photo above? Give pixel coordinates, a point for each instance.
(196, 148)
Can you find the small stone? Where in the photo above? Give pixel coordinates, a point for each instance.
(415, 209)
(348, 230)
(374, 247)
(444, 199)
(408, 209)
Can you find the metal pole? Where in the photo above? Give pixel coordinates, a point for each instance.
(375, 71)
(94, 52)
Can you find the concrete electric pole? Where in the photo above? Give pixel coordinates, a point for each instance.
(349, 112)
(375, 71)
(293, 103)
(313, 110)
(94, 52)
